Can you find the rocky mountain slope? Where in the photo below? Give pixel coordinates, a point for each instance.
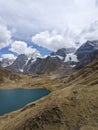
(19, 63)
(35, 66)
(22, 61)
(73, 105)
(41, 65)
(87, 52)
(45, 65)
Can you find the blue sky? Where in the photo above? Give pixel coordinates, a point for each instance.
(42, 26)
(43, 51)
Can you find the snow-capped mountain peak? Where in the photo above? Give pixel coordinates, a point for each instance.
(6, 62)
(23, 61)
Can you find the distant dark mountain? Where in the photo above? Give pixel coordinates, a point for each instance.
(87, 52)
(22, 61)
(40, 65)
(43, 65)
(67, 55)
(63, 52)
(19, 63)
(60, 52)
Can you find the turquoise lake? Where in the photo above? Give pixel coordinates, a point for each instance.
(14, 99)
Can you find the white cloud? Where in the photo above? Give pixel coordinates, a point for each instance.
(30, 16)
(9, 56)
(68, 17)
(5, 36)
(67, 39)
(89, 33)
(21, 47)
(52, 40)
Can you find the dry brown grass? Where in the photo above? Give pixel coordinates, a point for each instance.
(72, 105)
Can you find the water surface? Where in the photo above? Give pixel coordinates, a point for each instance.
(14, 99)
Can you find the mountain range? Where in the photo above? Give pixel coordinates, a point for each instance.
(71, 57)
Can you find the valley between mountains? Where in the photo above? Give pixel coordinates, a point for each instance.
(73, 101)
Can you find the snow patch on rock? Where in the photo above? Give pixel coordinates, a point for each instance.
(71, 57)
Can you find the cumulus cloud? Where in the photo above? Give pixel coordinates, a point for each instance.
(5, 36)
(9, 56)
(52, 41)
(89, 33)
(70, 18)
(21, 47)
(29, 17)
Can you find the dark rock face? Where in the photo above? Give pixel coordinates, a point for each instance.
(87, 52)
(60, 52)
(37, 66)
(46, 65)
(63, 51)
(19, 63)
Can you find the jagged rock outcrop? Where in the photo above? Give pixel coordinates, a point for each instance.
(87, 53)
(35, 66)
(19, 63)
(23, 61)
(52, 117)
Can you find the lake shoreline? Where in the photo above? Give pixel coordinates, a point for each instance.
(8, 88)
(9, 96)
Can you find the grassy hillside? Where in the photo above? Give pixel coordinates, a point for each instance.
(7, 75)
(73, 105)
